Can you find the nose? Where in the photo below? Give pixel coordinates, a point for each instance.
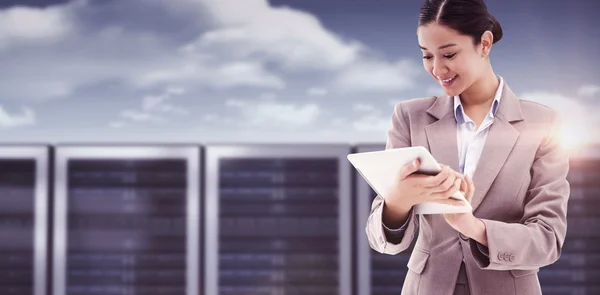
(439, 68)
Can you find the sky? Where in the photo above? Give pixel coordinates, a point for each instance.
(205, 71)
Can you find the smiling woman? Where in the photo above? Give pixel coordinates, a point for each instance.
(479, 130)
(456, 45)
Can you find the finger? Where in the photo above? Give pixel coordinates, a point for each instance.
(471, 188)
(447, 193)
(466, 191)
(409, 169)
(437, 180)
(447, 183)
(464, 186)
(456, 187)
(462, 177)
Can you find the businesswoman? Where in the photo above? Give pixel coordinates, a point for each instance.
(502, 152)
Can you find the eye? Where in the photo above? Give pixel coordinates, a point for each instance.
(449, 55)
(427, 57)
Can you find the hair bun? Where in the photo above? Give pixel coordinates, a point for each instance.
(467, 17)
(496, 29)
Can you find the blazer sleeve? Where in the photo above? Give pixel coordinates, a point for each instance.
(537, 240)
(394, 235)
(398, 135)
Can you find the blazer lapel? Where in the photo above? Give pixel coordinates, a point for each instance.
(443, 143)
(499, 143)
(501, 138)
(441, 134)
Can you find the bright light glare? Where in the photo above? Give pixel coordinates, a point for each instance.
(574, 136)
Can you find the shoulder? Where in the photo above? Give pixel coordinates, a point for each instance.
(414, 105)
(543, 122)
(536, 112)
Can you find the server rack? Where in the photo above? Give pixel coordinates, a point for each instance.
(126, 220)
(378, 274)
(278, 220)
(23, 219)
(577, 271)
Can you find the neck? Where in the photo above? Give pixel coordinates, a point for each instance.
(482, 92)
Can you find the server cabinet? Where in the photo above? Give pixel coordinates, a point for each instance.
(126, 220)
(378, 274)
(23, 219)
(577, 271)
(278, 220)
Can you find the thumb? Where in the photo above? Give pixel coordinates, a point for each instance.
(409, 169)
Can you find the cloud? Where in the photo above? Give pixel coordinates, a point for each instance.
(271, 114)
(85, 49)
(586, 91)
(567, 106)
(295, 39)
(339, 122)
(370, 122)
(235, 103)
(362, 107)
(377, 76)
(316, 91)
(371, 119)
(160, 104)
(210, 117)
(138, 116)
(25, 24)
(117, 124)
(199, 44)
(19, 87)
(26, 117)
(99, 43)
(227, 75)
(153, 109)
(268, 96)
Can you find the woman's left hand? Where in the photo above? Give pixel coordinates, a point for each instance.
(463, 222)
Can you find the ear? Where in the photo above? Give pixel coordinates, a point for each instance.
(487, 39)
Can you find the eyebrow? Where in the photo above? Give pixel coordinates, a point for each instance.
(441, 47)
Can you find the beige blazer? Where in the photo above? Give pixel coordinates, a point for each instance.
(521, 194)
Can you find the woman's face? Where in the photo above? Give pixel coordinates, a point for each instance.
(450, 58)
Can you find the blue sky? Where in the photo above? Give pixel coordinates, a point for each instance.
(257, 71)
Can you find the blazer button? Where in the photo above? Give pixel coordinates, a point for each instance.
(501, 255)
(511, 257)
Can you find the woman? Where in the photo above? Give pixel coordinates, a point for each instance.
(501, 152)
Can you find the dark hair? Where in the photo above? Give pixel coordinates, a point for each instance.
(468, 17)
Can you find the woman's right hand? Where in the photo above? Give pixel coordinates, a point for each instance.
(411, 189)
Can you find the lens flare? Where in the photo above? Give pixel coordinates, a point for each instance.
(574, 136)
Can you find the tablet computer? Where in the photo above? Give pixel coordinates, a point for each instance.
(380, 170)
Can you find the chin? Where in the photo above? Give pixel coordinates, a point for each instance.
(451, 92)
(454, 89)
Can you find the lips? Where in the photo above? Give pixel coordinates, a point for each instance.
(448, 80)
